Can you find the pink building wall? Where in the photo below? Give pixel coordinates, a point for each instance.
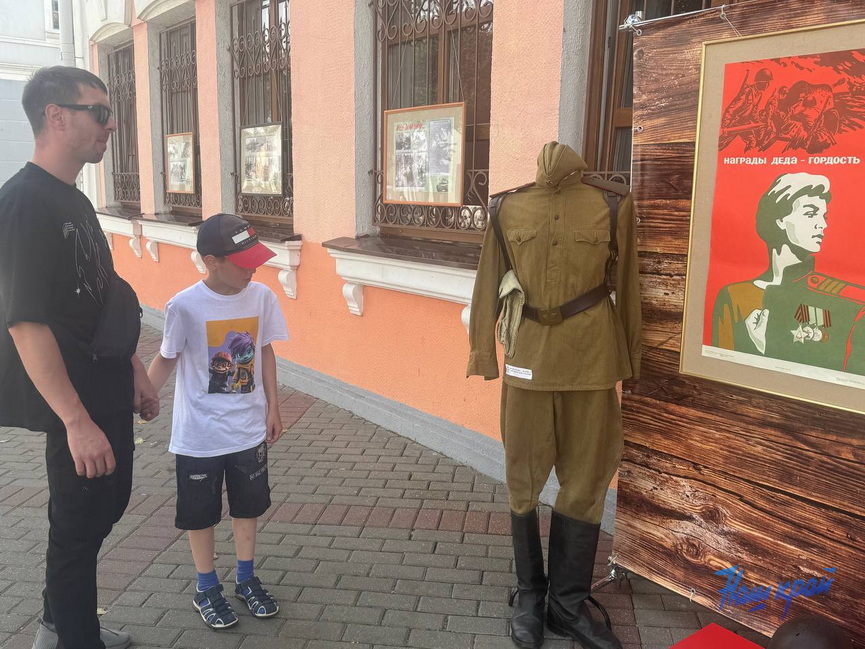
(322, 92)
(526, 77)
(213, 154)
(406, 348)
(142, 110)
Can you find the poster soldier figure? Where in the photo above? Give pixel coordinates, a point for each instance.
(791, 312)
(741, 115)
(549, 250)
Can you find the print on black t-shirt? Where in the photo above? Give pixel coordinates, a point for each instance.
(91, 272)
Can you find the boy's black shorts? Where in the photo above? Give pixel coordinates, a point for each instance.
(199, 487)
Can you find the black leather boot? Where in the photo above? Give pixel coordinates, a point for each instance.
(573, 544)
(527, 622)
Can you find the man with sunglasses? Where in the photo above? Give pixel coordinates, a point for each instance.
(55, 272)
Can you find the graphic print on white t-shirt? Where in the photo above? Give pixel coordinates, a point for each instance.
(231, 350)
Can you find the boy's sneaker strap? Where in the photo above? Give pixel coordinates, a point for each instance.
(214, 608)
(260, 602)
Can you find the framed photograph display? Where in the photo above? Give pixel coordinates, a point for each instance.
(261, 159)
(423, 155)
(180, 163)
(775, 293)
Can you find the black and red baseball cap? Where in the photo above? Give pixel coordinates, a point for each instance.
(228, 235)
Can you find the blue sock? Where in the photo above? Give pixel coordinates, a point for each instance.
(207, 580)
(244, 570)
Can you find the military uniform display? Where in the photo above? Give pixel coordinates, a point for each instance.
(559, 403)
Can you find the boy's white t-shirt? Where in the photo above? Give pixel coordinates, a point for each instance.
(219, 401)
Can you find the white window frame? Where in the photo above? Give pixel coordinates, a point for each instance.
(50, 30)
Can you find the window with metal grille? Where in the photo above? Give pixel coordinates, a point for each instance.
(260, 48)
(609, 114)
(178, 76)
(124, 142)
(437, 52)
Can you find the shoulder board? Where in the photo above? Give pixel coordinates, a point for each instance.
(830, 286)
(607, 185)
(512, 189)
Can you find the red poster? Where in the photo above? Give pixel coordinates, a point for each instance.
(786, 270)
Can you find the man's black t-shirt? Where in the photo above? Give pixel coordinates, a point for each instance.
(54, 269)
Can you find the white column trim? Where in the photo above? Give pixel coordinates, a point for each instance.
(438, 282)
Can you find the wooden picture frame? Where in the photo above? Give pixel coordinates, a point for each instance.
(180, 163)
(261, 160)
(775, 291)
(423, 155)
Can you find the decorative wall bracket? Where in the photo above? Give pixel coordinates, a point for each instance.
(152, 248)
(429, 280)
(172, 234)
(112, 225)
(287, 260)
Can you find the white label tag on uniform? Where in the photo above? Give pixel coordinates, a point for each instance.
(518, 372)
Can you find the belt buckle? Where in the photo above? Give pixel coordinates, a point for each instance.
(550, 316)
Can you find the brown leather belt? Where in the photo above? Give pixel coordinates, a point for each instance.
(557, 314)
(590, 298)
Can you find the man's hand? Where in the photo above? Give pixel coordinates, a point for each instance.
(90, 449)
(274, 425)
(756, 323)
(146, 399)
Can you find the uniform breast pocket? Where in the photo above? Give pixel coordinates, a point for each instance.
(522, 250)
(519, 236)
(590, 247)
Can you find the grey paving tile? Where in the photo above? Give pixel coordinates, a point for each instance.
(385, 635)
(356, 614)
(438, 639)
(344, 578)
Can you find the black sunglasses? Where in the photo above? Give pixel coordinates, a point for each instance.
(100, 113)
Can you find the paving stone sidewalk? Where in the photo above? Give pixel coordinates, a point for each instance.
(372, 541)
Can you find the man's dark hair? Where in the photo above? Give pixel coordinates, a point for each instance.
(59, 84)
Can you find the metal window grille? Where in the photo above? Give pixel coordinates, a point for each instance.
(436, 52)
(260, 47)
(178, 75)
(124, 142)
(610, 116)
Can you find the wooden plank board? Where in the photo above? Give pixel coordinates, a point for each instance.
(662, 287)
(716, 475)
(714, 520)
(662, 182)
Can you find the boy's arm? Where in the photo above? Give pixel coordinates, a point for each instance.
(268, 375)
(160, 369)
(146, 399)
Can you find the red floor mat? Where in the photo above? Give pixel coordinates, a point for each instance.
(714, 637)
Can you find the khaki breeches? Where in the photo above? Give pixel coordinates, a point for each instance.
(578, 432)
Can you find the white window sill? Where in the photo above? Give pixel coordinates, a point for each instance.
(439, 282)
(287, 258)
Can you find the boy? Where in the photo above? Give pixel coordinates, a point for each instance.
(219, 332)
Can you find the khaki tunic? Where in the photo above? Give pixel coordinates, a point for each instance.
(558, 232)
